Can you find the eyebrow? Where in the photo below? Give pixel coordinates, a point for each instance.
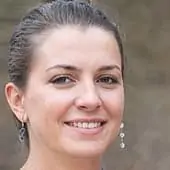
(63, 66)
(109, 67)
(73, 68)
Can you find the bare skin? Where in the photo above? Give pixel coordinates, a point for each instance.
(74, 99)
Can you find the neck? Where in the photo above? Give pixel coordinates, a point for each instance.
(44, 160)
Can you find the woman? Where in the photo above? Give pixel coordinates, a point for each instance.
(66, 85)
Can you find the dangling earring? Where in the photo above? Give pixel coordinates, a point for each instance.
(22, 132)
(122, 135)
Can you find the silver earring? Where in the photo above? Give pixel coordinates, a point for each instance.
(22, 132)
(122, 135)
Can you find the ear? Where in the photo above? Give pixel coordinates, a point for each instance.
(15, 98)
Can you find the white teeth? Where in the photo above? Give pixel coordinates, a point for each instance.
(85, 125)
(79, 124)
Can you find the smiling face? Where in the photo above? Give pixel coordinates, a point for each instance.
(74, 98)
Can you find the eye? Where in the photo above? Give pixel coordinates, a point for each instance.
(63, 80)
(107, 80)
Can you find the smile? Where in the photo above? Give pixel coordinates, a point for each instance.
(86, 124)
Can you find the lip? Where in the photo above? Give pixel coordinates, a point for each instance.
(87, 120)
(84, 131)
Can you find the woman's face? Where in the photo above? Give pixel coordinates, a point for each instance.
(74, 97)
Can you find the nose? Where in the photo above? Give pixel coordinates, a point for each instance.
(89, 100)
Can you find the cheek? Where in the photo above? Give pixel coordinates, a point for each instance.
(48, 105)
(58, 104)
(114, 103)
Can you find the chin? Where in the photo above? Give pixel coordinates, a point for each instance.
(86, 150)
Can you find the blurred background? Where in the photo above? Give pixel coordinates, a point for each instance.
(145, 28)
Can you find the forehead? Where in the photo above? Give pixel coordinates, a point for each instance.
(68, 43)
